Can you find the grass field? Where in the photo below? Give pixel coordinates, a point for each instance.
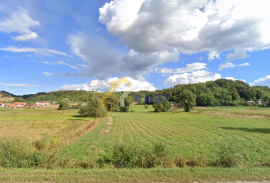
(185, 134)
(137, 175)
(31, 123)
(200, 133)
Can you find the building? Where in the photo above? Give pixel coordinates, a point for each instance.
(20, 104)
(47, 103)
(174, 105)
(2, 105)
(42, 103)
(12, 106)
(30, 106)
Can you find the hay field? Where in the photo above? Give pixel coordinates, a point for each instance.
(186, 134)
(31, 123)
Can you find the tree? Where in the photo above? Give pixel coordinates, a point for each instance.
(93, 108)
(146, 106)
(162, 105)
(64, 104)
(111, 102)
(20, 99)
(187, 100)
(127, 101)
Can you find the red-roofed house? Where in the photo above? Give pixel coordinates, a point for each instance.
(2, 105)
(20, 104)
(47, 103)
(174, 105)
(30, 105)
(12, 106)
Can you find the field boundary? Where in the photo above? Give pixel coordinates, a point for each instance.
(73, 138)
(138, 175)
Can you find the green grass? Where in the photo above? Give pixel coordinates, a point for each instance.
(137, 175)
(186, 134)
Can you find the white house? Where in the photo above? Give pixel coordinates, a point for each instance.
(2, 105)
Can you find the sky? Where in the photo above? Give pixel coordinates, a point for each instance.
(84, 45)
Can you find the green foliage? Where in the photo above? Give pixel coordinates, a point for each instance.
(162, 106)
(93, 108)
(228, 156)
(132, 111)
(19, 100)
(187, 100)
(130, 156)
(146, 106)
(78, 106)
(127, 101)
(111, 102)
(64, 104)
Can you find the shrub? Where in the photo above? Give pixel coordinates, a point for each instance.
(93, 108)
(14, 152)
(111, 102)
(146, 106)
(43, 142)
(127, 102)
(162, 106)
(114, 109)
(130, 156)
(228, 156)
(132, 111)
(64, 104)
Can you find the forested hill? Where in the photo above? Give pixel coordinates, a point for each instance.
(219, 92)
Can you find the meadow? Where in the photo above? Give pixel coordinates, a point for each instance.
(201, 134)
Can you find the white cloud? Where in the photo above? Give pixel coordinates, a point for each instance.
(261, 81)
(193, 77)
(104, 85)
(149, 26)
(18, 85)
(47, 74)
(231, 65)
(188, 68)
(34, 50)
(233, 79)
(25, 37)
(105, 60)
(20, 22)
(62, 63)
(239, 54)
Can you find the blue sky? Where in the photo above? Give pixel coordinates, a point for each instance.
(83, 45)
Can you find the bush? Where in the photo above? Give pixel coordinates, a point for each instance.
(228, 156)
(114, 109)
(163, 106)
(130, 156)
(43, 142)
(111, 102)
(146, 106)
(14, 152)
(64, 104)
(132, 111)
(127, 102)
(93, 108)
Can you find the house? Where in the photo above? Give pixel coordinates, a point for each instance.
(40, 103)
(20, 104)
(12, 106)
(2, 105)
(82, 103)
(30, 106)
(47, 103)
(174, 105)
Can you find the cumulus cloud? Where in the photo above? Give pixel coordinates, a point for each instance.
(25, 37)
(47, 74)
(18, 85)
(261, 81)
(152, 26)
(188, 68)
(193, 77)
(104, 59)
(233, 79)
(104, 85)
(231, 65)
(19, 22)
(34, 50)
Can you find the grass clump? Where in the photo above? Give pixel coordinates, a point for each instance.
(129, 156)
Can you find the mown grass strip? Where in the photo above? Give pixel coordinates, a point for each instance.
(137, 175)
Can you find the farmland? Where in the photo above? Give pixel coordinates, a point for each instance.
(201, 133)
